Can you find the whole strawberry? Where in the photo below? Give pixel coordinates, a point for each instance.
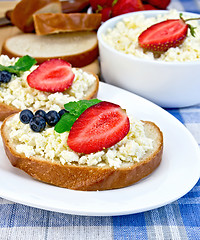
(106, 13)
(94, 4)
(126, 6)
(149, 7)
(98, 5)
(164, 35)
(161, 4)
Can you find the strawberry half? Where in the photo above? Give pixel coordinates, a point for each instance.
(164, 35)
(98, 127)
(54, 75)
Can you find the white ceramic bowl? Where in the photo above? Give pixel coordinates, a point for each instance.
(168, 84)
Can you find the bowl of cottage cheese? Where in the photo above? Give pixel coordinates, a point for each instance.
(170, 79)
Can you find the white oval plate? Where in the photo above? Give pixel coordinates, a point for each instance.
(177, 174)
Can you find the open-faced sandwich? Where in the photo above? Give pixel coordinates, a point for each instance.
(47, 86)
(95, 145)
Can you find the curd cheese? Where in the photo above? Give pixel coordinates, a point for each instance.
(17, 92)
(124, 38)
(53, 146)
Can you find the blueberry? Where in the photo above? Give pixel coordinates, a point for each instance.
(61, 112)
(37, 124)
(52, 118)
(25, 116)
(41, 113)
(5, 76)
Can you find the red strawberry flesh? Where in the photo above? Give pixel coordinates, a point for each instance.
(98, 127)
(164, 35)
(54, 75)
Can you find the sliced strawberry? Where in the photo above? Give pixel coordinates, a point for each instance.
(126, 6)
(98, 127)
(54, 75)
(164, 35)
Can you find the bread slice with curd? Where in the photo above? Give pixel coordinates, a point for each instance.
(46, 156)
(17, 95)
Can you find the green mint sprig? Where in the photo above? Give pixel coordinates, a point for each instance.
(74, 110)
(23, 64)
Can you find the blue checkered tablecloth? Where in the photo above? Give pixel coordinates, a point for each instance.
(178, 220)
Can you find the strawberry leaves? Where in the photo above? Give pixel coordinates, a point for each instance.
(74, 110)
(192, 29)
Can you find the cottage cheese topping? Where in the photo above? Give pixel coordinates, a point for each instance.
(53, 146)
(124, 38)
(17, 92)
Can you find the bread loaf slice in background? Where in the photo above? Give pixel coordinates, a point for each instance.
(48, 23)
(84, 177)
(77, 48)
(22, 15)
(93, 67)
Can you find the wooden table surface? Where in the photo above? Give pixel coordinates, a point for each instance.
(7, 31)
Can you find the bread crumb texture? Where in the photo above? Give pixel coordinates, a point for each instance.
(52, 146)
(124, 38)
(17, 92)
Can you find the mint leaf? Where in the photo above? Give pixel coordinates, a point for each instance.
(65, 123)
(10, 69)
(22, 65)
(74, 110)
(25, 63)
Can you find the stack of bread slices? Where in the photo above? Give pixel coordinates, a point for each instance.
(49, 33)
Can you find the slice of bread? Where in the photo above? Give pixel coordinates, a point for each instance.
(78, 48)
(84, 177)
(18, 95)
(22, 15)
(93, 67)
(49, 23)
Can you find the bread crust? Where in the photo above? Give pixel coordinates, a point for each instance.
(7, 110)
(22, 15)
(79, 60)
(49, 23)
(93, 67)
(85, 178)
